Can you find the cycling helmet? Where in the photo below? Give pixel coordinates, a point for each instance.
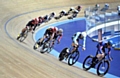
(60, 30)
(118, 8)
(39, 17)
(63, 11)
(79, 7)
(71, 8)
(110, 42)
(36, 20)
(106, 5)
(55, 29)
(53, 13)
(97, 6)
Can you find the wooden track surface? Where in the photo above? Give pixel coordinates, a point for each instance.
(19, 60)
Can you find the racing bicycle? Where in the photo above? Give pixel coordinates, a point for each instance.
(21, 37)
(45, 45)
(71, 56)
(102, 65)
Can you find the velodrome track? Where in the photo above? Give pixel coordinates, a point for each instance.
(19, 60)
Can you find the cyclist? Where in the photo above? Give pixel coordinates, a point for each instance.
(75, 39)
(102, 46)
(49, 17)
(39, 20)
(31, 25)
(61, 14)
(58, 35)
(49, 34)
(74, 12)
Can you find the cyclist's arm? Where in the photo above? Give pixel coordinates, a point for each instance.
(109, 52)
(60, 36)
(101, 47)
(34, 27)
(84, 42)
(52, 36)
(75, 38)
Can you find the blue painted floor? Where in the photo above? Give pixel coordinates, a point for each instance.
(70, 28)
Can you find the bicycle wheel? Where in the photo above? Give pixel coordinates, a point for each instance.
(87, 62)
(24, 36)
(62, 54)
(73, 58)
(45, 47)
(103, 67)
(37, 44)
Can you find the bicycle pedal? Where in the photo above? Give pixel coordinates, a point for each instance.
(93, 65)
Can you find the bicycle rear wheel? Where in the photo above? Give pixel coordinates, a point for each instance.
(87, 62)
(23, 36)
(62, 54)
(73, 58)
(103, 68)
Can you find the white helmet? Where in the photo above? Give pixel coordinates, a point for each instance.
(60, 30)
(83, 34)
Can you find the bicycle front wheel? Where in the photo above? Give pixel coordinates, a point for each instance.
(45, 47)
(103, 68)
(37, 44)
(73, 58)
(24, 36)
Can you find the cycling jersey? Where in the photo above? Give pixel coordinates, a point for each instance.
(102, 46)
(49, 31)
(30, 23)
(58, 35)
(76, 38)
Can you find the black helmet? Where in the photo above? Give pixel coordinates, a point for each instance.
(53, 13)
(79, 7)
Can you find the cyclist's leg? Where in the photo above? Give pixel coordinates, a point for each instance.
(42, 39)
(74, 47)
(23, 30)
(100, 56)
(45, 36)
(52, 43)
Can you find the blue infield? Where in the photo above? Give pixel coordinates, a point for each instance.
(72, 26)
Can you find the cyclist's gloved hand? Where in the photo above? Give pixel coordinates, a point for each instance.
(110, 59)
(58, 42)
(83, 48)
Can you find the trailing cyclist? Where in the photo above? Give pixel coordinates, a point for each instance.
(74, 12)
(31, 25)
(49, 17)
(102, 46)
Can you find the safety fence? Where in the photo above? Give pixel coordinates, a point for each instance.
(105, 21)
